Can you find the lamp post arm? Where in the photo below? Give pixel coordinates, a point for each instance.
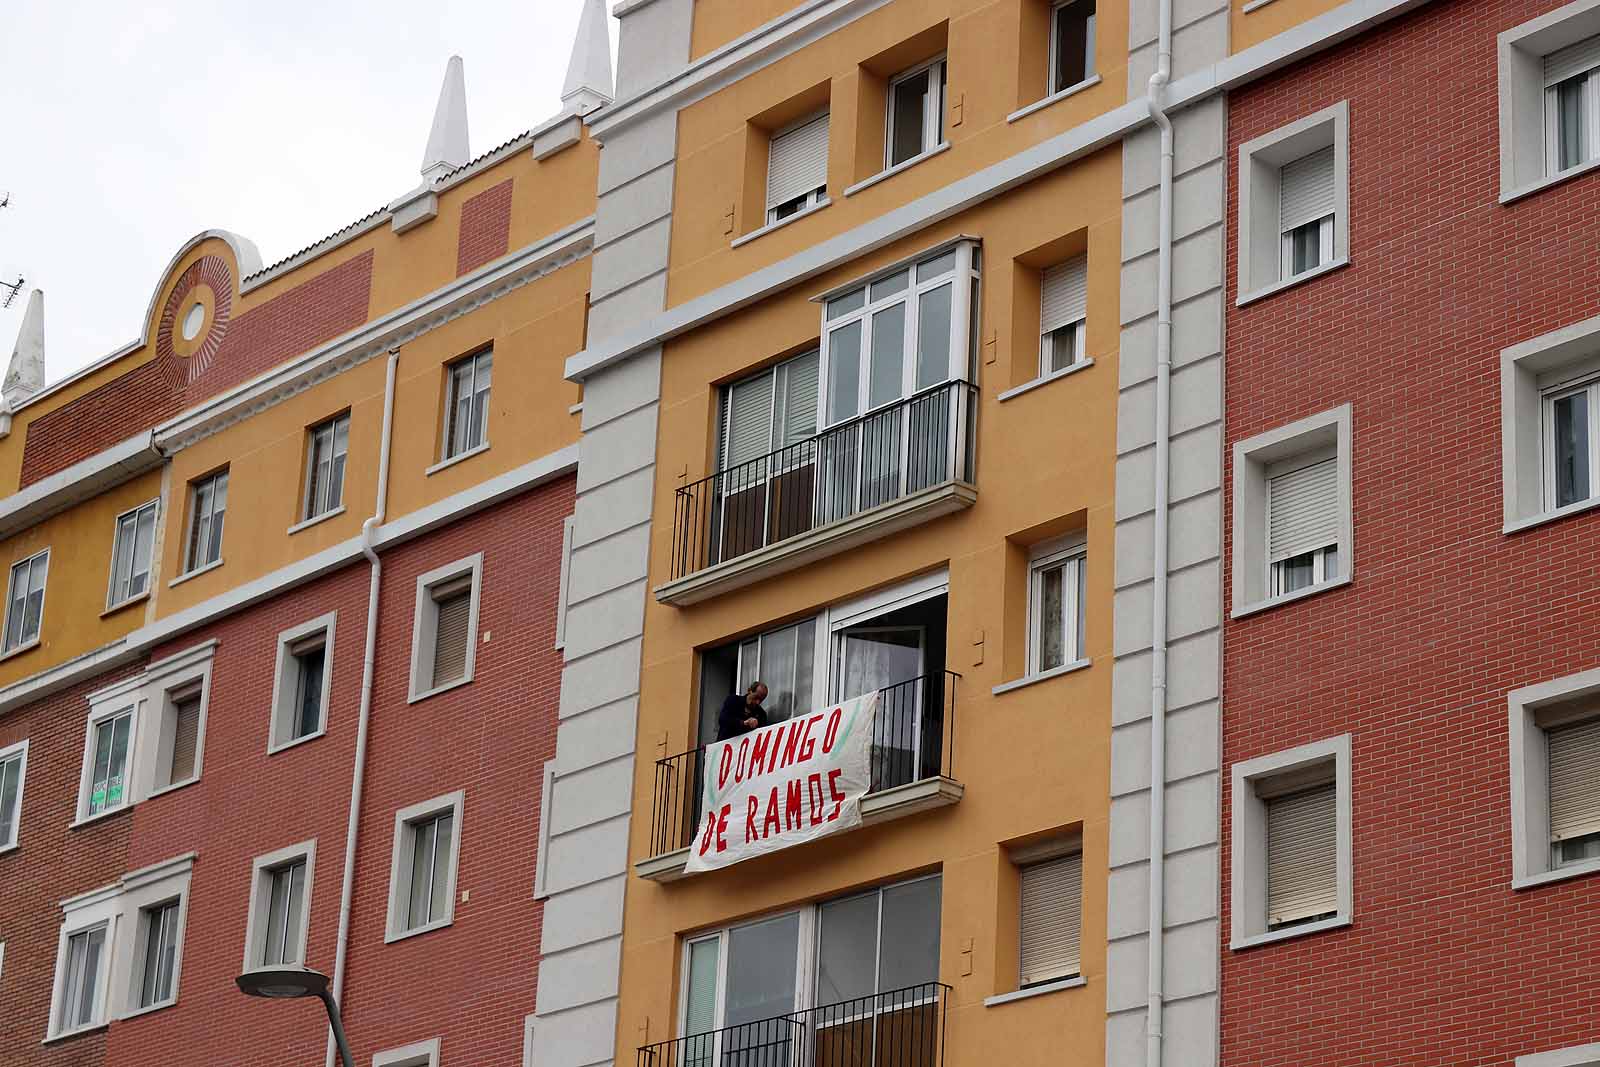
(338, 1029)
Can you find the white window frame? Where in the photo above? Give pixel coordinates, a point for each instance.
(124, 698)
(192, 523)
(1591, 123)
(1070, 552)
(286, 681)
(1090, 71)
(813, 198)
(161, 681)
(310, 490)
(1249, 839)
(399, 865)
(416, 1054)
(141, 890)
(1591, 390)
(100, 908)
(1286, 269)
(1254, 460)
(1532, 374)
(447, 445)
(24, 642)
(1531, 710)
(1262, 243)
(261, 869)
(932, 111)
(425, 621)
(19, 752)
(133, 515)
(1526, 148)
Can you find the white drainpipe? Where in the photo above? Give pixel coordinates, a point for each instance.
(359, 774)
(1158, 628)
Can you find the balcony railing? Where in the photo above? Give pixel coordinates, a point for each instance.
(887, 454)
(913, 737)
(903, 1028)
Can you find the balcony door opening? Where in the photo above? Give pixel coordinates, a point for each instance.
(899, 654)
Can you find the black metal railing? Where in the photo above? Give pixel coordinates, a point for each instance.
(891, 452)
(902, 1028)
(913, 737)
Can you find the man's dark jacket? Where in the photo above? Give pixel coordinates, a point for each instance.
(730, 720)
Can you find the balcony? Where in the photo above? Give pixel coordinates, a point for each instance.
(913, 757)
(897, 466)
(902, 1028)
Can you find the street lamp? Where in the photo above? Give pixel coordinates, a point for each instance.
(290, 983)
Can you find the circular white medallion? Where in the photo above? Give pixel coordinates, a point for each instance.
(192, 321)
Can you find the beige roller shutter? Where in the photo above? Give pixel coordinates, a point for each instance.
(1306, 189)
(797, 162)
(185, 734)
(451, 636)
(1302, 855)
(1574, 780)
(1303, 510)
(1051, 921)
(1571, 60)
(1064, 294)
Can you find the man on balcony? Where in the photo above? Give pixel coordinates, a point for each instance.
(742, 713)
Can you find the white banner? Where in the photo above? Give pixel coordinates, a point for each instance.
(785, 784)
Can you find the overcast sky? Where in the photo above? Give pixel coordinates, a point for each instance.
(126, 128)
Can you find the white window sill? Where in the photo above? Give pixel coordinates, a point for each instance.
(134, 1013)
(125, 605)
(78, 1032)
(273, 750)
(197, 572)
(313, 520)
(780, 224)
(1253, 5)
(1543, 517)
(1042, 676)
(1075, 982)
(20, 649)
(1289, 598)
(437, 924)
(457, 458)
(1560, 874)
(12, 847)
(1061, 94)
(1026, 387)
(1508, 196)
(97, 816)
(173, 788)
(426, 693)
(1285, 934)
(867, 183)
(1290, 283)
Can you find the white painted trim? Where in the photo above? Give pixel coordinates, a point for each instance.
(529, 1021)
(1529, 710)
(197, 572)
(425, 617)
(1042, 676)
(451, 461)
(890, 172)
(1252, 940)
(453, 802)
(1258, 233)
(255, 930)
(1289, 598)
(568, 526)
(1028, 387)
(15, 749)
(541, 883)
(762, 231)
(1075, 982)
(1511, 196)
(1520, 54)
(1289, 283)
(283, 687)
(1527, 369)
(416, 1054)
(103, 470)
(1253, 5)
(324, 517)
(1576, 1056)
(1056, 97)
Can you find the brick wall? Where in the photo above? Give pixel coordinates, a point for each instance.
(485, 228)
(1444, 963)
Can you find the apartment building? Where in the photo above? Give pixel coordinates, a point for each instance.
(1411, 787)
(279, 679)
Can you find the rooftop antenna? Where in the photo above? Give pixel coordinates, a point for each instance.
(12, 289)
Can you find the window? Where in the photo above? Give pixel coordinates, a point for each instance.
(1049, 918)
(782, 659)
(110, 747)
(13, 769)
(1293, 202)
(418, 1054)
(280, 903)
(916, 112)
(797, 168)
(83, 984)
(178, 754)
(1555, 763)
(1549, 417)
(467, 404)
(1291, 842)
(444, 632)
(1055, 605)
(1292, 528)
(1063, 306)
(1071, 44)
(302, 682)
(131, 554)
(25, 604)
(422, 886)
(765, 450)
(1570, 414)
(869, 957)
(208, 504)
(1549, 121)
(775, 409)
(158, 953)
(325, 460)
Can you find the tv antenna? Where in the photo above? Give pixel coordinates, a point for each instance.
(12, 290)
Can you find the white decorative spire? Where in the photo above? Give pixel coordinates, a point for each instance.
(447, 141)
(588, 82)
(25, 374)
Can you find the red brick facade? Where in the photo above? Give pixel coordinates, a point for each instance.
(485, 228)
(470, 983)
(1444, 963)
